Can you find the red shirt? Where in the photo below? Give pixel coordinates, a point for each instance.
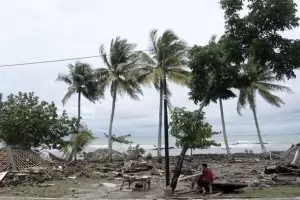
(207, 175)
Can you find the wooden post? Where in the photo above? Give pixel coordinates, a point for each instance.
(11, 158)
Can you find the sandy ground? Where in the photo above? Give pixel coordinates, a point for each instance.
(245, 169)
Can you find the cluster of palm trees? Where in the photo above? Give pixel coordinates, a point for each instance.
(128, 70)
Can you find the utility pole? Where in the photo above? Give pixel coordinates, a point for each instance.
(166, 122)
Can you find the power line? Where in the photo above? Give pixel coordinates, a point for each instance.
(48, 61)
(56, 60)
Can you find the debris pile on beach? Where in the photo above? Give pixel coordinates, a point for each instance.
(241, 171)
(289, 162)
(102, 155)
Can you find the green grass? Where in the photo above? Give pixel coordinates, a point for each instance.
(290, 191)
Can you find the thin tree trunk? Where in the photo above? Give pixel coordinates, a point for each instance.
(264, 150)
(114, 97)
(224, 129)
(177, 169)
(79, 109)
(160, 123)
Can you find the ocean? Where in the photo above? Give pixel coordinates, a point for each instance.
(237, 144)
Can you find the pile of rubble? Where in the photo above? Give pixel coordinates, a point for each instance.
(289, 162)
(102, 155)
(24, 165)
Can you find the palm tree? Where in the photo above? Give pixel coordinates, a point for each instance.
(77, 143)
(166, 50)
(262, 80)
(122, 75)
(81, 80)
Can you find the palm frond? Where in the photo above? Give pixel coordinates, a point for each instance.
(104, 56)
(263, 81)
(153, 42)
(64, 78)
(179, 76)
(242, 101)
(70, 92)
(275, 87)
(269, 97)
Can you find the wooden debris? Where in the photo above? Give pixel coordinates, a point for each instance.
(136, 166)
(188, 177)
(289, 162)
(2, 175)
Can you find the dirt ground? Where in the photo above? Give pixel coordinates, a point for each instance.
(244, 169)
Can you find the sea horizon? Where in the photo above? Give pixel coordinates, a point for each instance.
(237, 143)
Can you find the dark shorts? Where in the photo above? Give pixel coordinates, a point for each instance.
(203, 184)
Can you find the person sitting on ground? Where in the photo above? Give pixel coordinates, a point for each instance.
(205, 179)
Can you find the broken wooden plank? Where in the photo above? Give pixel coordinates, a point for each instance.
(2, 175)
(187, 177)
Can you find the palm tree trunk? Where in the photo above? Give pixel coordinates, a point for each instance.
(111, 122)
(177, 169)
(79, 109)
(160, 122)
(224, 129)
(264, 150)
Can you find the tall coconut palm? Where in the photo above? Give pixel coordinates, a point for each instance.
(169, 51)
(122, 75)
(81, 80)
(263, 82)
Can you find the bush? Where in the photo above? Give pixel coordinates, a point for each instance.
(149, 156)
(28, 122)
(134, 152)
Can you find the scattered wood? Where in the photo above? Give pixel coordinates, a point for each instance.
(56, 158)
(289, 162)
(136, 166)
(2, 175)
(145, 180)
(188, 177)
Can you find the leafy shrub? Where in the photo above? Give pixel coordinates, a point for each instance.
(149, 156)
(134, 152)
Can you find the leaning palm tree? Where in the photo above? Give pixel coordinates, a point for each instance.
(122, 75)
(81, 80)
(170, 52)
(263, 81)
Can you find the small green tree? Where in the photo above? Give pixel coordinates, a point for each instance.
(190, 131)
(77, 143)
(27, 122)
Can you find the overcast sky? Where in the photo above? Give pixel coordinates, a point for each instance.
(35, 30)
